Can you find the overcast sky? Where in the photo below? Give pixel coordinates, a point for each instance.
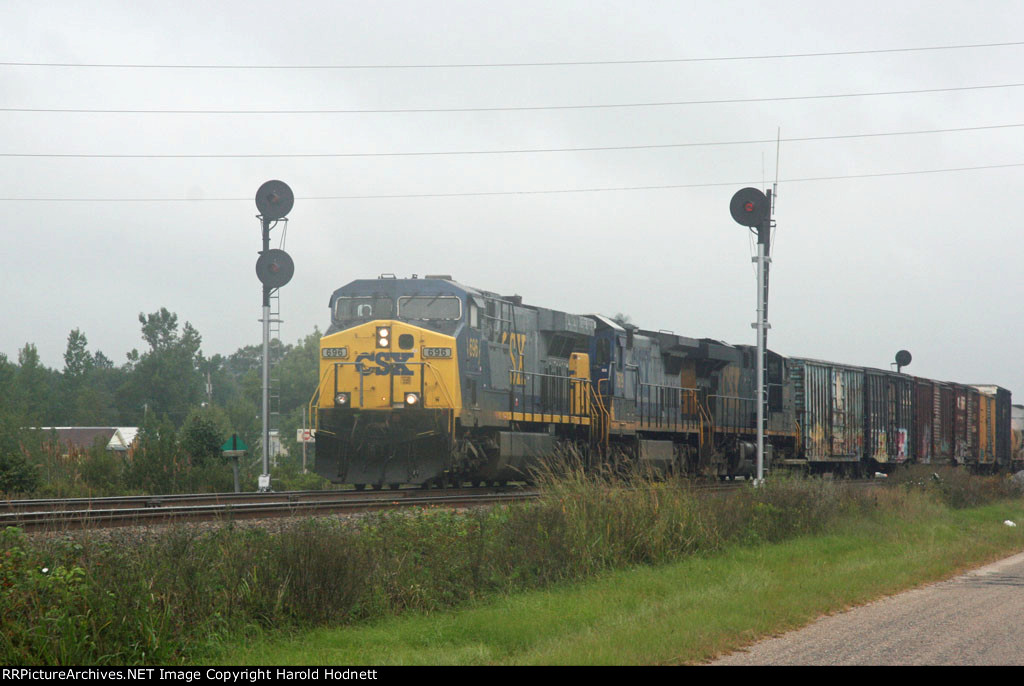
(863, 265)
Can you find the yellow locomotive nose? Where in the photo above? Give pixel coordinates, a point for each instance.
(386, 404)
(388, 365)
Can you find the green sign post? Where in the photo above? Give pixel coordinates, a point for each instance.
(234, 448)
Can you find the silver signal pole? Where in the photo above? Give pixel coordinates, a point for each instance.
(752, 208)
(763, 260)
(762, 335)
(274, 268)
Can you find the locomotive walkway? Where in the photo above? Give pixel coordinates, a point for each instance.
(974, 619)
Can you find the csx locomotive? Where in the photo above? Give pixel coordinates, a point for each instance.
(427, 381)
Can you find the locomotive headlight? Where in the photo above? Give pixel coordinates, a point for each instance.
(412, 399)
(341, 399)
(383, 337)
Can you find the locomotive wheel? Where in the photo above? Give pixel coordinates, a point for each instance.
(378, 487)
(360, 487)
(394, 486)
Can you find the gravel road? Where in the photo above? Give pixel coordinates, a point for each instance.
(973, 619)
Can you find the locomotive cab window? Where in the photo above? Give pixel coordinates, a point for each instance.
(363, 307)
(446, 307)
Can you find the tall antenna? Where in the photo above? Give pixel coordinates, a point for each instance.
(775, 185)
(778, 146)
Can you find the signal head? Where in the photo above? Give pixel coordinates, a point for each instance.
(275, 268)
(749, 207)
(274, 200)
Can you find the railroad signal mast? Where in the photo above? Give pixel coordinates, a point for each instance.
(274, 269)
(753, 209)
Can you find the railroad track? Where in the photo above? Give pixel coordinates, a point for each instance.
(78, 513)
(144, 501)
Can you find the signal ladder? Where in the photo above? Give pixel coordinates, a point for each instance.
(275, 382)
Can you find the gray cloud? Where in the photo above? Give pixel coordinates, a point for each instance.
(862, 267)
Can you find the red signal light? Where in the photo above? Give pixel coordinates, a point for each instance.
(749, 207)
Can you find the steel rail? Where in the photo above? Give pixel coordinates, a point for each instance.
(103, 518)
(145, 510)
(118, 502)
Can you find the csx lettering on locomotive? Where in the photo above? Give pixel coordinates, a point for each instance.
(386, 363)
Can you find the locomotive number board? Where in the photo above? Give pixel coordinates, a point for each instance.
(437, 352)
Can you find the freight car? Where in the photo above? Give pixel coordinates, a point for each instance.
(427, 381)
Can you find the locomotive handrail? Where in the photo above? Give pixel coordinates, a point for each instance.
(709, 420)
(682, 396)
(731, 411)
(565, 399)
(600, 420)
(440, 382)
(313, 414)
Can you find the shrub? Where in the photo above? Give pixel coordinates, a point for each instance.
(956, 486)
(16, 474)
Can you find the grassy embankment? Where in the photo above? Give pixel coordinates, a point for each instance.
(632, 576)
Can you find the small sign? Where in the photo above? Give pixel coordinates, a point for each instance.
(305, 435)
(234, 444)
(444, 353)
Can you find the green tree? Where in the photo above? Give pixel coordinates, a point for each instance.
(17, 474)
(34, 387)
(77, 360)
(298, 374)
(167, 379)
(203, 433)
(81, 398)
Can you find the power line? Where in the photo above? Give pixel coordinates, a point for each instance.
(520, 151)
(526, 108)
(394, 196)
(483, 65)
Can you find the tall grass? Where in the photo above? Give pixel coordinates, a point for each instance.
(163, 598)
(956, 486)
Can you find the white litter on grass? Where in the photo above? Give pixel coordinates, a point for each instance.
(1009, 523)
(881, 475)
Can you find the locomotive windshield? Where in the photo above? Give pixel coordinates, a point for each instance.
(363, 307)
(430, 307)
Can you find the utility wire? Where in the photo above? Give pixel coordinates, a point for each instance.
(71, 110)
(483, 65)
(521, 151)
(537, 192)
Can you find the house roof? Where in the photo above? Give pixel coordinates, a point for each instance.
(84, 437)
